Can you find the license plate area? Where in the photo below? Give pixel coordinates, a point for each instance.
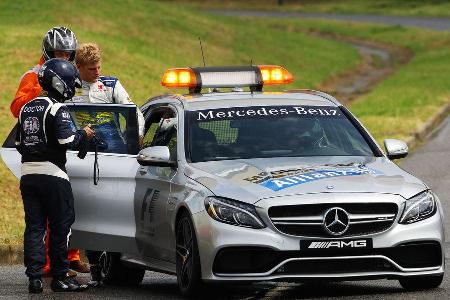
(336, 244)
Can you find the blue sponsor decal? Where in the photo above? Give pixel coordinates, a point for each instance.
(293, 180)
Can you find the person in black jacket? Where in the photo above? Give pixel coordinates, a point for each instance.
(45, 132)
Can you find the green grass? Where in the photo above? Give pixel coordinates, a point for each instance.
(140, 39)
(433, 8)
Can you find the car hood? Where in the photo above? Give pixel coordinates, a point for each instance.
(250, 180)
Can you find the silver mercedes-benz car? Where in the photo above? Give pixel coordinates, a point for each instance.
(248, 186)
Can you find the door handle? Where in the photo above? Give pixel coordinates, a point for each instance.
(143, 171)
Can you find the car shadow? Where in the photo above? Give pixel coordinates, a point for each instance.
(276, 290)
(161, 286)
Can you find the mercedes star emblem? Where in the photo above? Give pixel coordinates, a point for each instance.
(336, 221)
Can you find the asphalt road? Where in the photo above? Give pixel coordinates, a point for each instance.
(430, 163)
(440, 24)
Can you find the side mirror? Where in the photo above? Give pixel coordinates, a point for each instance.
(395, 149)
(155, 156)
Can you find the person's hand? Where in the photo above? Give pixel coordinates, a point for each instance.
(90, 133)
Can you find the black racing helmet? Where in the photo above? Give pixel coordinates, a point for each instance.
(59, 38)
(59, 78)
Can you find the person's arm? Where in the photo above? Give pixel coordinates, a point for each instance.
(121, 96)
(29, 89)
(65, 131)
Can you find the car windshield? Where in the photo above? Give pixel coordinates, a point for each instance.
(272, 131)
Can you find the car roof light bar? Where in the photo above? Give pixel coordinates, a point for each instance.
(253, 77)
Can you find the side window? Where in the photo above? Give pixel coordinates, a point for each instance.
(115, 126)
(161, 128)
(172, 144)
(109, 127)
(148, 137)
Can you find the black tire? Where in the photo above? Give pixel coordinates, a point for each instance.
(116, 273)
(187, 257)
(416, 283)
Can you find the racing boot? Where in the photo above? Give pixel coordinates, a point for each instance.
(67, 284)
(96, 276)
(35, 286)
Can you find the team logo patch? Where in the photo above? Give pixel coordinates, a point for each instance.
(31, 125)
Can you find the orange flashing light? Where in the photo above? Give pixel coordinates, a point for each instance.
(275, 75)
(179, 78)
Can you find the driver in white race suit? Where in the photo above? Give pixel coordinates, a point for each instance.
(101, 89)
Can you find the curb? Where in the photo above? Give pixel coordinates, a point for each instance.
(423, 131)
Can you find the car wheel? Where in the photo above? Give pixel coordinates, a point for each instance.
(116, 273)
(421, 282)
(187, 257)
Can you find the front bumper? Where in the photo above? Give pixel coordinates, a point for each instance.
(229, 253)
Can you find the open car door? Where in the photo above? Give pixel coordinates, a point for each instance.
(104, 210)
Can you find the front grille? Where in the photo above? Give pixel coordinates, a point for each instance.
(239, 260)
(307, 219)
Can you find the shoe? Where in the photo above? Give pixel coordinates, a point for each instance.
(79, 266)
(67, 284)
(35, 286)
(96, 276)
(71, 273)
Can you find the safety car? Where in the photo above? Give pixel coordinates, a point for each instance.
(237, 184)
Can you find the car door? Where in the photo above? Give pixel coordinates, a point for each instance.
(104, 210)
(152, 198)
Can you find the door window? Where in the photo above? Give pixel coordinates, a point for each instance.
(115, 126)
(161, 129)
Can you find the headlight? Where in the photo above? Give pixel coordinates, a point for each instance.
(233, 212)
(419, 207)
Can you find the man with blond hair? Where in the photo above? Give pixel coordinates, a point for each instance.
(97, 88)
(100, 89)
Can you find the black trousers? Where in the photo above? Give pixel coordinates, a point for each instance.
(46, 198)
